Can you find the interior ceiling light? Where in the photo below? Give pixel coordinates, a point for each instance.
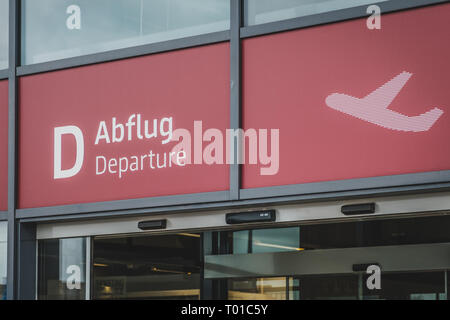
(189, 235)
(271, 245)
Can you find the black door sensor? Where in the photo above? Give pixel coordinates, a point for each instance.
(353, 209)
(249, 217)
(152, 225)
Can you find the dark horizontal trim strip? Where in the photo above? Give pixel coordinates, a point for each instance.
(31, 216)
(3, 215)
(124, 53)
(4, 74)
(347, 185)
(332, 16)
(124, 204)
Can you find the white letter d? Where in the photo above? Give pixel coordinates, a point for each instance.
(76, 132)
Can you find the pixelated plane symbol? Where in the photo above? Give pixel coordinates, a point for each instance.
(374, 107)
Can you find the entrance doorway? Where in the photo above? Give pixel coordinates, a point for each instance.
(147, 267)
(331, 260)
(326, 260)
(395, 286)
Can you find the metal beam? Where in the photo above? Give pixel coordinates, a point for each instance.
(26, 257)
(14, 10)
(235, 94)
(388, 207)
(331, 17)
(420, 257)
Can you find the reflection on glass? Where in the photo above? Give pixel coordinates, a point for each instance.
(266, 240)
(3, 258)
(62, 269)
(265, 11)
(4, 27)
(328, 287)
(56, 29)
(262, 289)
(375, 233)
(276, 240)
(343, 235)
(410, 286)
(423, 281)
(325, 287)
(241, 242)
(147, 267)
(395, 286)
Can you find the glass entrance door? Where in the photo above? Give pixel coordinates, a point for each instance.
(300, 262)
(329, 261)
(147, 267)
(395, 286)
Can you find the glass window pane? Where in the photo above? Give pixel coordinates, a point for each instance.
(261, 289)
(409, 286)
(4, 27)
(264, 11)
(412, 254)
(56, 29)
(3, 258)
(240, 242)
(62, 269)
(276, 240)
(162, 267)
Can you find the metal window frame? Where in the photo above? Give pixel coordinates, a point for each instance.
(4, 74)
(14, 41)
(415, 182)
(332, 16)
(236, 7)
(124, 53)
(19, 219)
(386, 208)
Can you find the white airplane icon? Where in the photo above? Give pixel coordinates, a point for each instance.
(374, 107)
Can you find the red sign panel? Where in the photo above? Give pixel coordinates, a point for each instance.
(103, 132)
(351, 102)
(3, 145)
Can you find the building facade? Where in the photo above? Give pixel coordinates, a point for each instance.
(224, 149)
